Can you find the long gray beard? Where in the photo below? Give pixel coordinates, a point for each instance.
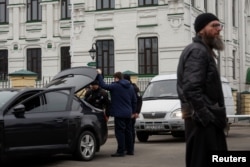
(214, 43)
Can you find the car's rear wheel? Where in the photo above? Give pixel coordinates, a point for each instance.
(86, 146)
(142, 136)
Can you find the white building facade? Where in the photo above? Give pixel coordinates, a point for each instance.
(142, 36)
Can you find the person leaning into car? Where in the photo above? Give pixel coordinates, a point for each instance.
(200, 91)
(122, 108)
(98, 97)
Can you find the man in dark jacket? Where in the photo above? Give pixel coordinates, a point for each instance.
(139, 103)
(123, 107)
(200, 91)
(98, 97)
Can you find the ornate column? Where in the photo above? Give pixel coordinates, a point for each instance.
(44, 20)
(11, 23)
(56, 20)
(22, 21)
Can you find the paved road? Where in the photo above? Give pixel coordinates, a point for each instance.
(160, 151)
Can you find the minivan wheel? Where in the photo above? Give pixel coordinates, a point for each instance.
(86, 146)
(142, 136)
(178, 134)
(226, 130)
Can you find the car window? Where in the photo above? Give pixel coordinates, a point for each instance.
(76, 105)
(6, 96)
(33, 104)
(56, 101)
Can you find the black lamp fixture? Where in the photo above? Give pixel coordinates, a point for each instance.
(92, 52)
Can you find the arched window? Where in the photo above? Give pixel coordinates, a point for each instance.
(34, 61)
(148, 55)
(105, 56)
(3, 64)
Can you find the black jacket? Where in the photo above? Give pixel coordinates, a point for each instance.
(198, 84)
(138, 97)
(99, 99)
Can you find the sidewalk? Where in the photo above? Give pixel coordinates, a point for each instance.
(241, 122)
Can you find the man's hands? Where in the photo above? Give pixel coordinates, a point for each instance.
(135, 115)
(99, 71)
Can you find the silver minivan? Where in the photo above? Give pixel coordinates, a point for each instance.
(161, 109)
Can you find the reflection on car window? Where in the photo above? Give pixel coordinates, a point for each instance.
(75, 105)
(33, 105)
(82, 92)
(5, 96)
(56, 101)
(161, 89)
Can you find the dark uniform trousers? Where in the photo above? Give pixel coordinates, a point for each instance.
(123, 135)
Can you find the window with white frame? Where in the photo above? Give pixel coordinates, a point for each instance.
(4, 11)
(65, 58)
(234, 64)
(234, 15)
(3, 64)
(34, 10)
(148, 55)
(147, 2)
(105, 56)
(65, 11)
(34, 61)
(105, 4)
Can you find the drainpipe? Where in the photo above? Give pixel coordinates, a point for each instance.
(225, 37)
(190, 15)
(72, 33)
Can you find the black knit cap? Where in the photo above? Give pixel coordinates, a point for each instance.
(202, 20)
(127, 77)
(95, 82)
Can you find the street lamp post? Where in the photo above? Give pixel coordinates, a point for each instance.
(92, 53)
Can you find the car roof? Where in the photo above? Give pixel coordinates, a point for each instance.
(164, 77)
(21, 89)
(174, 76)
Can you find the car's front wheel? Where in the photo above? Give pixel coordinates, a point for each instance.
(86, 146)
(142, 136)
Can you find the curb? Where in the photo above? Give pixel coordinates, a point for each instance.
(111, 133)
(240, 125)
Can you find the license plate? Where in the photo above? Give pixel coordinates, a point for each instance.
(154, 127)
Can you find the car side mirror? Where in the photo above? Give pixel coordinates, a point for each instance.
(19, 111)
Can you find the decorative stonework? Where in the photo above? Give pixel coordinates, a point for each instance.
(4, 29)
(104, 20)
(147, 17)
(176, 20)
(34, 27)
(79, 20)
(15, 47)
(49, 45)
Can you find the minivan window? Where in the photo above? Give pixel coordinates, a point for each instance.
(161, 89)
(226, 90)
